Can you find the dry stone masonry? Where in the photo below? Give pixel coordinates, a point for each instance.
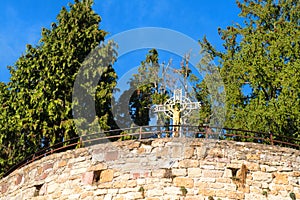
(155, 169)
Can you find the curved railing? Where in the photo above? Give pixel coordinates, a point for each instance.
(144, 132)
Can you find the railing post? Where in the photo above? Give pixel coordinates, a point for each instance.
(140, 137)
(271, 138)
(206, 130)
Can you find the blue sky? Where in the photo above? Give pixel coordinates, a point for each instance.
(21, 21)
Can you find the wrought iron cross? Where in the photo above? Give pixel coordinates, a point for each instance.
(176, 108)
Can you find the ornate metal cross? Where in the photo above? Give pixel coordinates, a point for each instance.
(176, 108)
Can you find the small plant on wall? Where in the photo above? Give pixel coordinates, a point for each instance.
(142, 191)
(183, 191)
(265, 193)
(293, 196)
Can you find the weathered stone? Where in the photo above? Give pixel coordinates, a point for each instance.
(227, 173)
(99, 166)
(88, 178)
(194, 172)
(185, 182)
(43, 190)
(111, 155)
(170, 190)
(281, 178)
(61, 163)
(77, 171)
(179, 172)
(47, 166)
(161, 152)
(51, 188)
(188, 163)
(261, 176)
(188, 153)
(86, 194)
(119, 184)
(19, 179)
(221, 193)
(155, 192)
(106, 175)
(159, 169)
(133, 144)
(4, 188)
(235, 195)
(212, 173)
(296, 173)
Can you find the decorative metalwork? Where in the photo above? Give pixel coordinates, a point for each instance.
(177, 107)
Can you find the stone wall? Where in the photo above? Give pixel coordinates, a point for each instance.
(181, 168)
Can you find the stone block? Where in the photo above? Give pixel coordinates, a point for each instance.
(172, 191)
(227, 173)
(185, 182)
(131, 183)
(19, 179)
(53, 187)
(100, 192)
(281, 178)
(252, 166)
(86, 194)
(111, 155)
(262, 176)
(77, 171)
(194, 172)
(4, 188)
(188, 152)
(161, 152)
(47, 166)
(132, 144)
(29, 193)
(212, 173)
(97, 167)
(158, 173)
(271, 169)
(176, 151)
(61, 163)
(208, 192)
(235, 195)
(296, 173)
(179, 172)
(77, 160)
(155, 192)
(119, 184)
(188, 163)
(221, 193)
(253, 156)
(106, 176)
(88, 178)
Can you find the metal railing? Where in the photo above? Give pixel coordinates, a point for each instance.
(146, 132)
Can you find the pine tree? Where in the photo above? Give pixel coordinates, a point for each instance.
(40, 90)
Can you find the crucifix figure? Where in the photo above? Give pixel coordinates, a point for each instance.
(176, 108)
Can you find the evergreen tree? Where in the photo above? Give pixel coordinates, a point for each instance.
(264, 56)
(39, 94)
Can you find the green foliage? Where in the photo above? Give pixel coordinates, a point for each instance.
(154, 85)
(292, 196)
(263, 55)
(37, 110)
(146, 89)
(183, 190)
